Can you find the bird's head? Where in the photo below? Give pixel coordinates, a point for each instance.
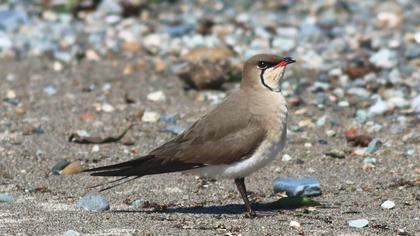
(265, 71)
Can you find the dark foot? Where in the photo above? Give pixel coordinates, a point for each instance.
(240, 184)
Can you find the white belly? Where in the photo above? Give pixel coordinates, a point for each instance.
(265, 153)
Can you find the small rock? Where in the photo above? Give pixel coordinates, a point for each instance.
(59, 166)
(415, 104)
(138, 203)
(388, 204)
(107, 107)
(373, 145)
(94, 203)
(286, 157)
(361, 116)
(410, 152)
(82, 133)
(175, 129)
(179, 30)
(150, 116)
(294, 224)
(379, 108)
(95, 148)
(72, 168)
(330, 133)
(71, 233)
(168, 118)
(6, 198)
(57, 66)
(12, 101)
(385, 58)
(336, 153)
(359, 223)
(157, 96)
(297, 187)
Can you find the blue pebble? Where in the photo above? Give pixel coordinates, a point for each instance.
(95, 203)
(297, 187)
(71, 233)
(373, 145)
(168, 118)
(12, 101)
(175, 129)
(179, 30)
(6, 198)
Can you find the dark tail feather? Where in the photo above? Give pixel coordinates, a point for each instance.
(110, 182)
(118, 184)
(119, 166)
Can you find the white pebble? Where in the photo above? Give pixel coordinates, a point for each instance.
(57, 66)
(95, 148)
(294, 224)
(359, 223)
(286, 157)
(107, 107)
(157, 96)
(150, 116)
(388, 204)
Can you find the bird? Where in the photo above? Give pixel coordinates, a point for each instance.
(239, 136)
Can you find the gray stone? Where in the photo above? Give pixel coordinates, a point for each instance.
(297, 187)
(359, 223)
(71, 233)
(94, 203)
(6, 198)
(59, 166)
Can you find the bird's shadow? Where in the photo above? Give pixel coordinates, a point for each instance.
(229, 209)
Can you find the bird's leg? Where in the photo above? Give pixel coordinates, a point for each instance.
(240, 184)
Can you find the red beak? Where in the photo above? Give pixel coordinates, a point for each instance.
(284, 62)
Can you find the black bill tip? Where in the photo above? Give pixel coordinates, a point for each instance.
(288, 60)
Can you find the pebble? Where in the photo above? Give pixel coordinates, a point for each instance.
(175, 129)
(150, 116)
(286, 157)
(138, 203)
(72, 168)
(374, 145)
(335, 153)
(94, 203)
(359, 223)
(388, 204)
(297, 187)
(330, 133)
(415, 104)
(378, 108)
(294, 224)
(71, 233)
(95, 148)
(6, 198)
(361, 116)
(168, 118)
(107, 108)
(384, 58)
(56, 169)
(157, 96)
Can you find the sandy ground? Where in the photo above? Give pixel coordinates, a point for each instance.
(45, 204)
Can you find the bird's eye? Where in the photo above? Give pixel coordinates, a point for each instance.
(262, 65)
